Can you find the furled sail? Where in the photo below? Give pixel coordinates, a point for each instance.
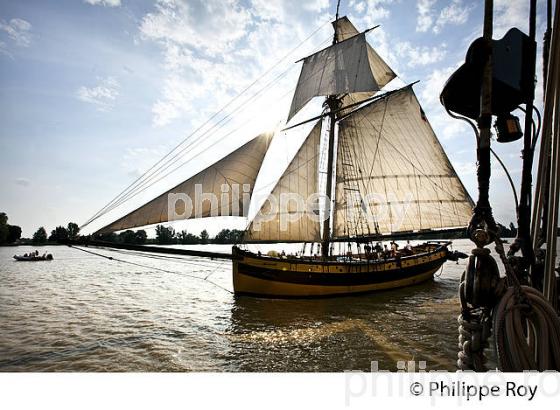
(291, 212)
(392, 174)
(218, 190)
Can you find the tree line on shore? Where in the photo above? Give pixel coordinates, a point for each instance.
(166, 235)
(11, 235)
(8, 233)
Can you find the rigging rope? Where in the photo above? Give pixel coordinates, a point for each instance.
(526, 327)
(477, 135)
(205, 279)
(168, 257)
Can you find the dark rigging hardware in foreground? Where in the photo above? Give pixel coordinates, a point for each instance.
(496, 78)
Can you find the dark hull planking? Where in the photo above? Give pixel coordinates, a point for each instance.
(280, 277)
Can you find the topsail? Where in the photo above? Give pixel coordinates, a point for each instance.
(382, 73)
(342, 68)
(350, 67)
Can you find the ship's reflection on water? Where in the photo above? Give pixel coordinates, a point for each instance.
(89, 314)
(345, 333)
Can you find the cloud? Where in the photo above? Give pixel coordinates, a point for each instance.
(453, 14)
(214, 49)
(269, 9)
(371, 11)
(465, 169)
(197, 39)
(510, 14)
(425, 15)
(108, 3)
(136, 161)
(103, 96)
(4, 49)
(358, 6)
(434, 84)
(420, 56)
(212, 26)
(23, 182)
(177, 99)
(446, 128)
(18, 30)
(283, 10)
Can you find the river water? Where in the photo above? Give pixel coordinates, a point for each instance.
(81, 312)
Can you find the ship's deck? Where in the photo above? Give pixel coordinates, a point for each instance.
(355, 258)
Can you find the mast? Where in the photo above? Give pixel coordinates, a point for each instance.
(348, 68)
(333, 103)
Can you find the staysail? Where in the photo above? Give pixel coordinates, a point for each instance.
(232, 178)
(290, 214)
(392, 173)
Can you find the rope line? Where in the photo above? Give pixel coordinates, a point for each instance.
(154, 268)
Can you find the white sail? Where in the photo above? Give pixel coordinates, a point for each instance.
(229, 181)
(350, 67)
(341, 68)
(290, 213)
(392, 174)
(382, 73)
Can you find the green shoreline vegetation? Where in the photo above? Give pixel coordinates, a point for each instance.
(10, 235)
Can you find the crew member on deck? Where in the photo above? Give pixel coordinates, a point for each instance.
(367, 250)
(408, 248)
(386, 251)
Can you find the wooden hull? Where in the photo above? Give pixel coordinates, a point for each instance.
(277, 277)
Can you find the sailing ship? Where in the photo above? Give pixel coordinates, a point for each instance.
(375, 158)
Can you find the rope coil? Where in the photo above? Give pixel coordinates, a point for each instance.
(526, 327)
(527, 331)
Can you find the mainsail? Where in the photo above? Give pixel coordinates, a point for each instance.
(232, 175)
(289, 214)
(392, 174)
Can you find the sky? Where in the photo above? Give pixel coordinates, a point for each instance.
(93, 92)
